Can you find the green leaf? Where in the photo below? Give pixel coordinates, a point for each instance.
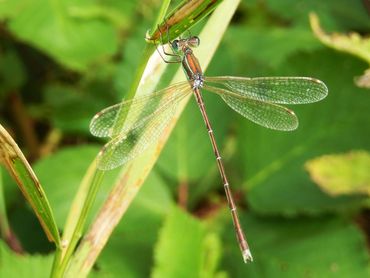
(74, 43)
(64, 104)
(274, 161)
(117, 12)
(211, 256)
(181, 247)
(315, 247)
(10, 8)
(16, 265)
(285, 43)
(19, 168)
(345, 174)
(62, 172)
(129, 251)
(338, 14)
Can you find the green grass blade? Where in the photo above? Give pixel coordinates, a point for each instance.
(19, 168)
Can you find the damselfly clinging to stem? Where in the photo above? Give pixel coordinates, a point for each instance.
(257, 99)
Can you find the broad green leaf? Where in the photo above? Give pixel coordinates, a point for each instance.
(75, 43)
(181, 251)
(129, 251)
(12, 158)
(211, 257)
(338, 14)
(314, 247)
(274, 161)
(62, 172)
(64, 104)
(279, 44)
(118, 12)
(16, 265)
(341, 174)
(10, 8)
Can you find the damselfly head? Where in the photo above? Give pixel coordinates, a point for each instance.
(193, 41)
(189, 42)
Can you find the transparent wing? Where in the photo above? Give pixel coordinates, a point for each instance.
(129, 144)
(137, 110)
(266, 114)
(282, 90)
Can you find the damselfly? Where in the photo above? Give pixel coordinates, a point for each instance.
(257, 99)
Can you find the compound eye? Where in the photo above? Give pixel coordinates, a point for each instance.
(175, 45)
(194, 41)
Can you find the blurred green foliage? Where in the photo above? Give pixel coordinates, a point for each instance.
(68, 59)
